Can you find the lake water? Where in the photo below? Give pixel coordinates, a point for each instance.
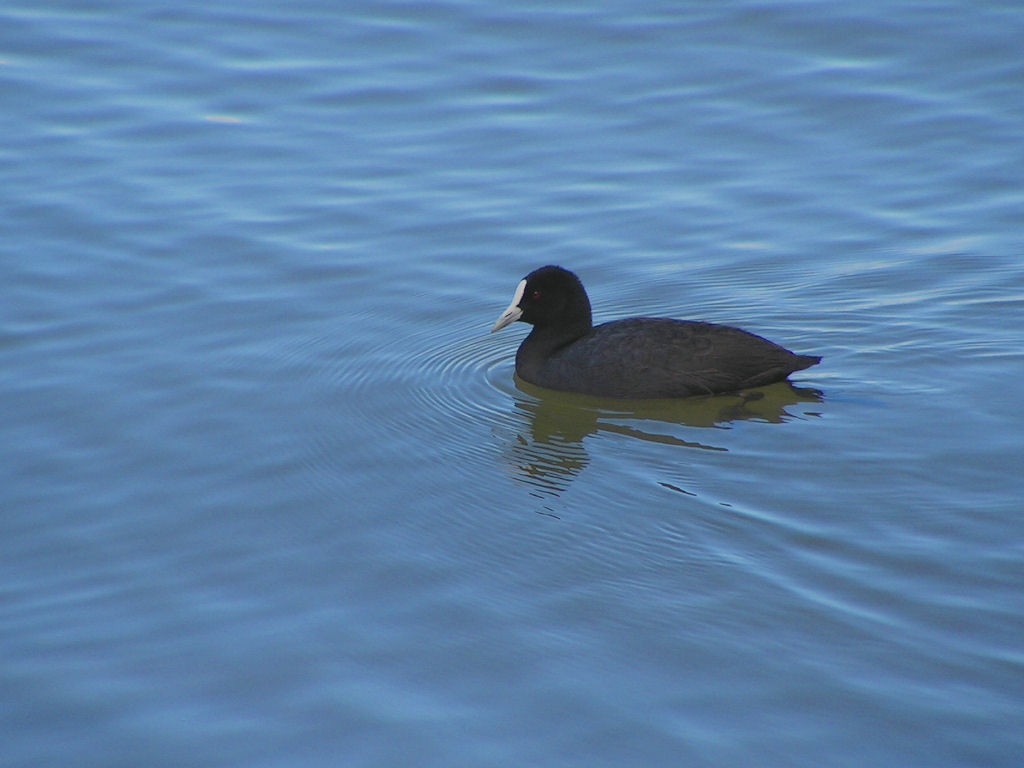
(270, 496)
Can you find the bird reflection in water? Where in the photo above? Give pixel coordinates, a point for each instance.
(549, 453)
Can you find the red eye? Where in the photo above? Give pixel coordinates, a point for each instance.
(535, 296)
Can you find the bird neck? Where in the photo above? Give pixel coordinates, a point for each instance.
(542, 342)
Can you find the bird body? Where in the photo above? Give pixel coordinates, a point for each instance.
(635, 358)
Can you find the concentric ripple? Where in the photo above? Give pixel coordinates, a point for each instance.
(447, 388)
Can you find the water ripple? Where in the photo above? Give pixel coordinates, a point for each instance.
(452, 380)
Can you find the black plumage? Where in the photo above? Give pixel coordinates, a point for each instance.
(641, 357)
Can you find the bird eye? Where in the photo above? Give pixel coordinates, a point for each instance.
(535, 295)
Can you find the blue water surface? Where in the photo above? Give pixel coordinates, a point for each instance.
(271, 496)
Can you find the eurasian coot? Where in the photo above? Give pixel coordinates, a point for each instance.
(641, 357)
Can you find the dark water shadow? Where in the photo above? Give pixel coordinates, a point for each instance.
(550, 453)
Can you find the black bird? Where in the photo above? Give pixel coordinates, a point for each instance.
(640, 357)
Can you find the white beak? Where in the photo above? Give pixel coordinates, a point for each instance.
(513, 312)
